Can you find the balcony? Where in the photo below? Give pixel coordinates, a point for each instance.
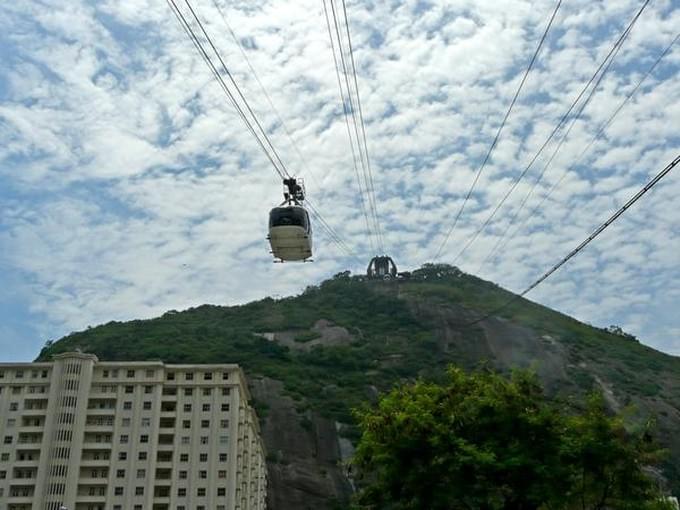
(92, 445)
(86, 498)
(89, 480)
(34, 411)
(101, 462)
(161, 492)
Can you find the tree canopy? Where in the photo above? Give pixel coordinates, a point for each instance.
(483, 441)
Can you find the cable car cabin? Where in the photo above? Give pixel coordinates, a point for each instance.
(290, 233)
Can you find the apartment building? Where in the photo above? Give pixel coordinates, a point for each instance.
(81, 434)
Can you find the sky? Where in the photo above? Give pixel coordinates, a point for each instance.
(129, 186)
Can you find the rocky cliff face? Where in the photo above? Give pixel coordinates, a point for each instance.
(304, 460)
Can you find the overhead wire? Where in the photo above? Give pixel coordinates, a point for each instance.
(346, 112)
(504, 239)
(197, 44)
(255, 75)
(371, 194)
(657, 178)
(499, 131)
(353, 110)
(596, 77)
(259, 134)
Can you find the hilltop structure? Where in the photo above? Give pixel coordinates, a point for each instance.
(82, 434)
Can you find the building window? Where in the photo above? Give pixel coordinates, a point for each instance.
(221, 491)
(188, 391)
(223, 457)
(225, 407)
(183, 475)
(203, 474)
(16, 390)
(225, 375)
(185, 439)
(122, 455)
(225, 391)
(139, 491)
(205, 424)
(146, 422)
(147, 405)
(130, 374)
(124, 439)
(43, 374)
(150, 372)
(187, 408)
(14, 406)
(224, 439)
(170, 376)
(142, 456)
(144, 438)
(127, 405)
(11, 422)
(204, 439)
(206, 407)
(8, 440)
(118, 491)
(207, 392)
(207, 376)
(126, 422)
(184, 457)
(141, 473)
(186, 424)
(222, 474)
(105, 374)
(114, 373)
(129, 389)
(3, 475)
(148, 389)
(203, 457)
(19, 374)
(181, 492)
(189, 376)
(138, 507)
(120, 473)
(4, 457)
(224, 424)
(200, 491)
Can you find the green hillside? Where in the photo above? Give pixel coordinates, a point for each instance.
(338, 343)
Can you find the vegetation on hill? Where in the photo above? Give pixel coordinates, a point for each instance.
(396, 332)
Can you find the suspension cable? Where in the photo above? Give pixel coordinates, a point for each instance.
(273, 156)
(275, 111)
(584, 243)
(597, 77)
(371, 186)
(349, 131)
(503, 240)
(500, 129)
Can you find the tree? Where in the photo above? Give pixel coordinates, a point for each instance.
(481, 441)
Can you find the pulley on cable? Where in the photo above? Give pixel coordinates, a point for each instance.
(290, 230)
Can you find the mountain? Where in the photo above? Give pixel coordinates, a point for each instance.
(311, 358)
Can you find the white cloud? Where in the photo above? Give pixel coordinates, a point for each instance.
(130, 185)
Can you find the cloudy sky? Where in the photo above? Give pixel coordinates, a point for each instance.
(129, 186)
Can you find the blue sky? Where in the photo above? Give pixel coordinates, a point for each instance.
(128, 185)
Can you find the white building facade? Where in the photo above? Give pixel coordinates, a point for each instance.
(89, 435)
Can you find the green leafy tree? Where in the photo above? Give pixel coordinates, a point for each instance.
(481, 441)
